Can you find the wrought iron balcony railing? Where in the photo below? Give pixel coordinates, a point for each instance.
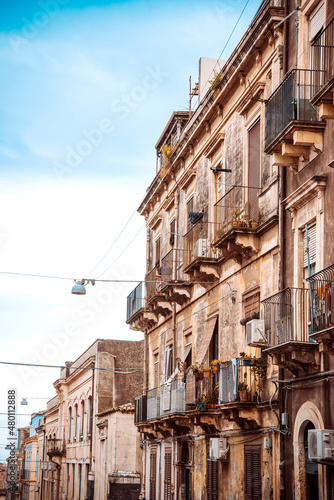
(166, 399)
(198, 243)
(153, 282)
(171, 267)
(232, 210)
(291, 102)
(140, 409)
(286, 316)
(135, 300)
(323, 56)
(322, 299)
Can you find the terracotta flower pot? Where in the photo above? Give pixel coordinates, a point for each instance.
(206, 372)
(243, 395)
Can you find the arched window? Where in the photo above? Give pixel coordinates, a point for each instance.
(89, 423)
(76, 423)
(82, 420)
(70, 424)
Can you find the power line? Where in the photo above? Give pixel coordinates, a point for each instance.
(113, 244)
(133, 370)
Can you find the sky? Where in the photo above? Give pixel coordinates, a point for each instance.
(87, 87)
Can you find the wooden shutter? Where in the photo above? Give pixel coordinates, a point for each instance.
(254, 169)
(190, 208)
(172, 232)
(312, 244)
(251, 304)
(191, 389)
(253, 486)
(212, 479)
(316, 21)
(168, 475)
(157, 252)
(153, 472)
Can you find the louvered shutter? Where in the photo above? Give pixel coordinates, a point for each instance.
(252, 465)
(191, 389)
(254, 169)
(172, 232)
(157, 252)
(316, 21)
(312, 244)
(153, 470)
(190, 208)
(168, 475)
(212, 479)
(251, 305)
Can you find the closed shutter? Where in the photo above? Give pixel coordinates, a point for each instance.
(157, 252)
(212, 479)
(191, 389)
(153, 472)
(168, 475)
(190, 208)
(172, 232)
(251, 304)
(253, 486)
(254, 169)
(316, 21)
(312, 244)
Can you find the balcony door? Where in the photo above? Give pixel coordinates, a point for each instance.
(254, 169)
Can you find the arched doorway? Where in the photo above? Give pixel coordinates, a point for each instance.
(311, 469)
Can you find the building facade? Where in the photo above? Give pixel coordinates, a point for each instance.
(236, 317)
(104, 377)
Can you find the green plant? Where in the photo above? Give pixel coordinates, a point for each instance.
(167, 151)
(216, 81)
(215, 362)
(237, 214)
(259, 368)
(196, 368)
(243, 386)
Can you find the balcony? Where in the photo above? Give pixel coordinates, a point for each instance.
(173, 282)
(323, 62)
(55, 448)
(135, 301)
(294, 130)
(237, 223)
(200, 257)
(137, 316)
(155, 298)
(321, 307)
(287, 329)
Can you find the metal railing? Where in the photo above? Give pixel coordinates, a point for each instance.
(323, 55)
(232, 209)
(135, 300)
(198, 243)
(322, 299)
(286, 316)
(153, 282)
(55, 447)
(167, 399)
(140, 409)
(291, 101)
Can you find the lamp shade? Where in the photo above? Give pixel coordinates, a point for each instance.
(79, 289)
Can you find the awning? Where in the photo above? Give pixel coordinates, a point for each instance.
(186, 352)
(203, 342)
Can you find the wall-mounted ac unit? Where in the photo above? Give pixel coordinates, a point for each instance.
(255, 332)
(219, 449)
(321, 444)
(202, 247)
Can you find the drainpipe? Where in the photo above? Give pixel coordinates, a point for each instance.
(147, 249)
(176, 236)
(145, 381)
(91, 420)
(174, 333)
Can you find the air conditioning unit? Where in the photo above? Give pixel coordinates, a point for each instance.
(219, 449)
(321, 444)
(37, 487)
(255, 332)
(202, 247)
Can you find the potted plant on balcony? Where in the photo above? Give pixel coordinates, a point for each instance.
(246, 359)
(259, 368)
(215, 365)
(243, 389)
(197, 369)
(236, 220)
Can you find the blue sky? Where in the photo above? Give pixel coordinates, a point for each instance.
(87, 87)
